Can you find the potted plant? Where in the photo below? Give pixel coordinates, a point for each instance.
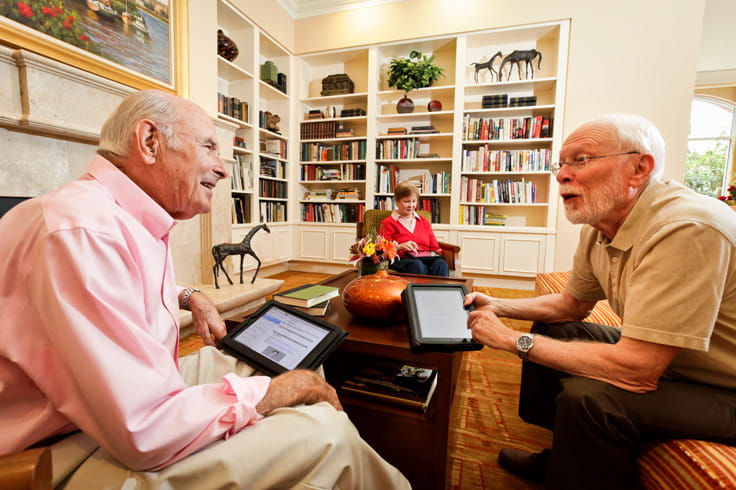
(730, 198)
(406, 74)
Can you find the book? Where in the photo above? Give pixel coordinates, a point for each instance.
(319, 309)
(307, 295)
(393, 382)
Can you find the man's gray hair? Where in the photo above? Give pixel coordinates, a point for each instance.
(632, 132)
(158, 106)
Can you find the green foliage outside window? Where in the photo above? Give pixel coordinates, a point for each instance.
(704, 170)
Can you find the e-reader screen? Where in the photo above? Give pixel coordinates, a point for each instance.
(437, 318)
(277, 338)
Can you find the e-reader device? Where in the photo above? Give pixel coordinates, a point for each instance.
(437, 318)
(278, 338)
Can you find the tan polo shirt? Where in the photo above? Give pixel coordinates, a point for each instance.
(670, 274)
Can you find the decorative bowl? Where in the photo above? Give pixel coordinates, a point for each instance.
(375, 297)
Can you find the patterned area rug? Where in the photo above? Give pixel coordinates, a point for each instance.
(484, 417)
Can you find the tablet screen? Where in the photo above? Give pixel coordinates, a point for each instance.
(441, 313)
(282, 337)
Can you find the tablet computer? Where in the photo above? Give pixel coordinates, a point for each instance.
(279, 338)
(436, 317)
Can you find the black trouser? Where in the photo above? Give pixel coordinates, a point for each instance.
(599, 428)
(434, 266)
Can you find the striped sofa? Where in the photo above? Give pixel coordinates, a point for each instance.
(673, 464)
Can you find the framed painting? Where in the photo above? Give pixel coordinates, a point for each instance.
(140, 43)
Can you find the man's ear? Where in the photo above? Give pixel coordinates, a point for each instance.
(643, 168)
(147, 141)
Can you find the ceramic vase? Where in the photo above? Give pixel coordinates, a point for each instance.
(375, 297)
(405, 105)
(226, 47)
(434, 106)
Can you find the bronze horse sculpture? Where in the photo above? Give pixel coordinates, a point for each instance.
(516, 58)
(223, 250)
(487, 64)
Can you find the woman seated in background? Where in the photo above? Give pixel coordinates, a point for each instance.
(419, 252)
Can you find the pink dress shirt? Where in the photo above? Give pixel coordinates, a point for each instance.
(89, 329)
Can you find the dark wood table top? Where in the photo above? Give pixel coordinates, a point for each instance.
(389, 334)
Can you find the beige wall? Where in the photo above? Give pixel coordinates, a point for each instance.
(626, 56)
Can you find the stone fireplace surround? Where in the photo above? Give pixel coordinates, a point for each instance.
(50, 118)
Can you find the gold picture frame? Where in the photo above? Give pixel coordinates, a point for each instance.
(16, 34)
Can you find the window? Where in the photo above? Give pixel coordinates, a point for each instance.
(710, 146)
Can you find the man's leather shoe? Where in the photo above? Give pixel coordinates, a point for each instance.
(528, 465)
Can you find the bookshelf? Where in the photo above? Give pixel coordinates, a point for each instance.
(490, 191)
(260, 157)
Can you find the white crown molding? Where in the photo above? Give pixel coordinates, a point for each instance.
(299, 9)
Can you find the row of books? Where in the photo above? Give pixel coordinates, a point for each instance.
(486, 160)
(503, 100)
(386, 178)
(318, 130)
(272, 188)
(323, 152)
(430, 204)
(242, 174)
(481, 215)
(398, 149)
(274, 146)
(330, 194)
(332, 212)
(232, 106)
(345, 171)
(241, 209)
(272, 211)
(273, 168)
(495, 191)
(485, 129)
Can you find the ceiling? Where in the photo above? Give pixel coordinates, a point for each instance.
(717, 48)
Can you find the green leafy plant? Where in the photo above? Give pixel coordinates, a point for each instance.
(416, 71)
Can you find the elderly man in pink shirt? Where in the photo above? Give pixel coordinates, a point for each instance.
(89, 334)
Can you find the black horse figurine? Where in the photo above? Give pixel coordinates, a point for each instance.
(223, 250)
(516, 58)
(487, 64)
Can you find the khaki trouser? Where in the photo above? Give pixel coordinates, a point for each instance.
(305, 447)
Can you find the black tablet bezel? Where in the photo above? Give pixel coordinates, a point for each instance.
(419, 343)
(335, 336)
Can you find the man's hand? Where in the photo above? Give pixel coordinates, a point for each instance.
(297, 387)
(207, 321)
(487, 329)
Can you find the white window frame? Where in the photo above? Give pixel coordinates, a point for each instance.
(728, 171)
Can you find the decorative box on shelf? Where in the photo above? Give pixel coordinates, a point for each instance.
(270, 73)
(337, 84)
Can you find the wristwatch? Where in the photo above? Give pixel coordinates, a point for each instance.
(524, 344)
(185, 298)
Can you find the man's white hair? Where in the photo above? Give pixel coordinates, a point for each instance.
(158, 106)
(632, 132)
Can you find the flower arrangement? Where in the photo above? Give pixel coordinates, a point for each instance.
(730, 198)
(374, 248)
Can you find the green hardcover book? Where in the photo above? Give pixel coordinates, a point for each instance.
(306, 296)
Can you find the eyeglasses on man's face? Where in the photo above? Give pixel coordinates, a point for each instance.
(581, 161)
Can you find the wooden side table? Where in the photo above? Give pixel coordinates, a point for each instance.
(414, 442)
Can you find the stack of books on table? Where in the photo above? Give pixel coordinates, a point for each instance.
(392, 382)
(396, 131)
(315, 114)
(309, 298)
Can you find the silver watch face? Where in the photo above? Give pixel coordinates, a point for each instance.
(524, 343)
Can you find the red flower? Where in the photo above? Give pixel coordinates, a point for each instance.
(48, 11)
(22, 6)
(26, 12)
(83, 38)
(66, 24)
(70, 18)
(59, 10)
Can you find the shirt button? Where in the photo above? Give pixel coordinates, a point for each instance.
(614, 259)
